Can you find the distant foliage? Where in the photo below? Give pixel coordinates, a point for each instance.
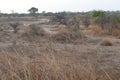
(60, 17)
(85, 20)
(106, 20)
(98, 14)
(99, 17)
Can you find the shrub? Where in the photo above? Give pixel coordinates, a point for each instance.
(36, 30)
(85, 20)
(66, 35)
(14, 26)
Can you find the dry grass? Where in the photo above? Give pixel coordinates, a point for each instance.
(116, 32)
(54, 61)
(66, 36)
(97, 30)
(17, 66)
(93, 30)
(51, 60)
(29, 32)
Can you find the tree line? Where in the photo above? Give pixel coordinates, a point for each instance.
(105, 19)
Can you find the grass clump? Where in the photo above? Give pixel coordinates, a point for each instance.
(106, 43)
(36, 30)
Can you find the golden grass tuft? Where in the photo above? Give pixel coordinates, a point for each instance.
(93, 30)
(116, 32)
(106, 43)
(96, 30)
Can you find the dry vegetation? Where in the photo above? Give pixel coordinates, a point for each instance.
(71, 53)
(67, 36)
(53, 61)
(42, 59)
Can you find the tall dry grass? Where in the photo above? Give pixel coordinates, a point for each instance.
(50, 61)
(52, 65)
(97, 30)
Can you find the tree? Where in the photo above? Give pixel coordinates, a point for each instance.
(33, 10)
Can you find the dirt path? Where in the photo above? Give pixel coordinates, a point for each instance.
(5, 44)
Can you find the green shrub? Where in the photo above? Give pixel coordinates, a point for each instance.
(34, 29)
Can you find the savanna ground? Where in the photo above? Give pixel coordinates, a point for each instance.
(56, 53)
